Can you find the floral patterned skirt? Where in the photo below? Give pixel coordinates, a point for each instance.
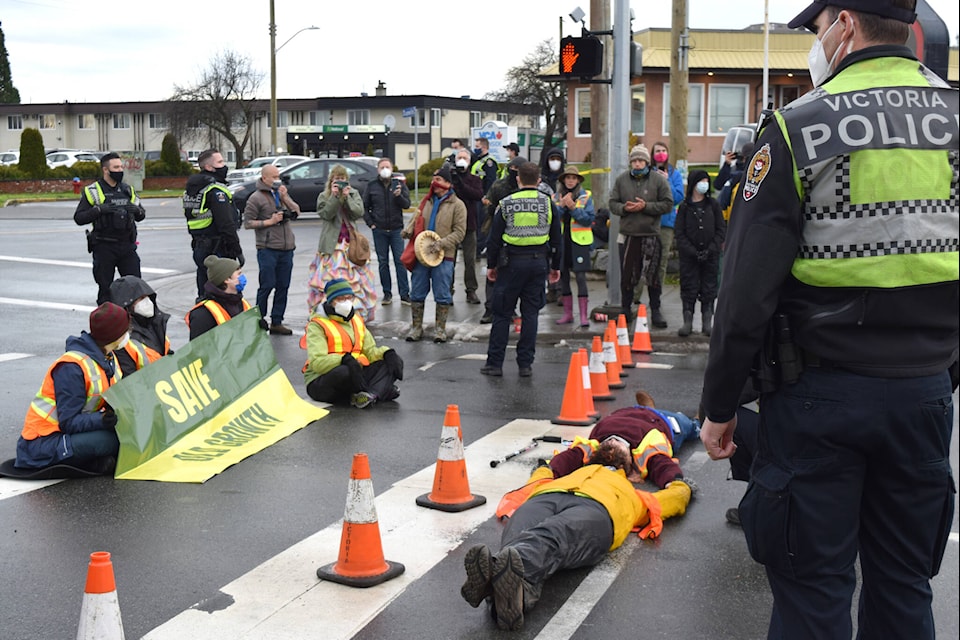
(325, 267)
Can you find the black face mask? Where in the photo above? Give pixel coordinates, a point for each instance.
(220, 173)
(116, 176)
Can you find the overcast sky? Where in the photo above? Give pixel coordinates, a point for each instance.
(135, 50)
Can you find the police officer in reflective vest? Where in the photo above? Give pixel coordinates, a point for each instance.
(524, 245)
(114, 209)
(843, 252)
(212, 218)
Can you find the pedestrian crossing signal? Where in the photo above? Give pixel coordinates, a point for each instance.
(581, 57)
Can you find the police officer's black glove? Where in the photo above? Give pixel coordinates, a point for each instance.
(109, 419)
(132, 209)
(702, 256)
(394, 364)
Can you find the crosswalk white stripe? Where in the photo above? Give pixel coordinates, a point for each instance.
(10, 487)
(280, 599)
(40, 304)
(85, 265)
(7, 357)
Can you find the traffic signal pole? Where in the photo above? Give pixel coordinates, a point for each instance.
(619, 133)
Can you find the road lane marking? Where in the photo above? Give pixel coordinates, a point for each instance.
(85, 265)
(40, 304)
(652, 365)
(281, 598)
(7, 357)
(10, 487)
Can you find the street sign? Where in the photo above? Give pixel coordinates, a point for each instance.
(409, 112)
(582, 57)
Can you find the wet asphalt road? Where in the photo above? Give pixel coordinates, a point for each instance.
(175, 545)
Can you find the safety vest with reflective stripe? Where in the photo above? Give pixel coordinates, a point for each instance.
(477, 167)
(527, 214)
(94, 194)
(339, 341)
(196, 210)
(141, 354)
(42, 417)
(880, 206)
(654, 443)
(219, 314)
(580, 234)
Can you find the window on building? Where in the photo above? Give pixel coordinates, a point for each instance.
(14, 123)
(230, 157)
(728, 107)
(86, 122)
(121, 121)
(503, 117)
(47, 121)
(694, 109)
(358, 116)
(638, 109)
(157, 121)
(320, 118)
(420, 119)
(787, 95)
(283, 119)
(476, 119)
(583, 113)
(435, 118)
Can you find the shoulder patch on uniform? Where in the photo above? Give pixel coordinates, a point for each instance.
(220, 196)
(490, 162)
(757, 170)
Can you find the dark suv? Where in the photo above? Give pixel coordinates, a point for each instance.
(306, 180)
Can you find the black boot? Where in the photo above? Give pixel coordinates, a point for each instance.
(687, 327)
(706, 317)
(656, 318)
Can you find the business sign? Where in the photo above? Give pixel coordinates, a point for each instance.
(409, 112)
(498, 134)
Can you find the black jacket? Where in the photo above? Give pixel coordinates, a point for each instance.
(226, 217)
(381, 209)
(201, 320)
(700, 225)
(112, 222)
(151, 331)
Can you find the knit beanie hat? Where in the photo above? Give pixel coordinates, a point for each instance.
(639, 152)
(108, 322)
(336, 288)
(444, 172)
(220, 269)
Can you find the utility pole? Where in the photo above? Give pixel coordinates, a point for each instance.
(599, 112)
(679, 85)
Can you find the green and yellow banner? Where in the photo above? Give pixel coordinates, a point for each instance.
(221, 398)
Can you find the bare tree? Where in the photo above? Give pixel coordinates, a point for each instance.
(222, 99)
(524, 85)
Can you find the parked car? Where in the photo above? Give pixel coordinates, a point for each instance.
(69, 158)
(306, 180)
(252, 170)
(155, 155)
(9, 157)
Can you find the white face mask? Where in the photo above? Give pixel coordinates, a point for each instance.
(343, 307)
(554, 165)
(820, 67)
(144, 308)
(119, 344)
(702, 187)
(462, 163)
(386, 172)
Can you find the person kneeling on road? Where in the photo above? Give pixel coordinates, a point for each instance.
(68, 421)
(569, 521)
(344, 363)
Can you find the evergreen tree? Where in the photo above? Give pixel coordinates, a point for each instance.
(33, 162)
(8, 92)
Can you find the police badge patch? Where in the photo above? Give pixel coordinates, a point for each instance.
(756, 172)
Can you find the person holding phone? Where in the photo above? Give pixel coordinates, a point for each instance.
(384, 200)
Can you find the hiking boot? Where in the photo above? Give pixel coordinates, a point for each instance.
(489, 370)
(472, 297)
(362, 399)
(279, 330)
(657, 319)
(526, 372)
(477, 586)
(487, 318)
(507, 584)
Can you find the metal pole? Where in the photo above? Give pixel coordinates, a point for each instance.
(273, 81)
(416, 151)
(619, 131)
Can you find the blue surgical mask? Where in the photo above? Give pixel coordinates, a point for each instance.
(241, 282)
(477, 151)
(702, 187)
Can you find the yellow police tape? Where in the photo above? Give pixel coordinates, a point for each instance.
(595, 170)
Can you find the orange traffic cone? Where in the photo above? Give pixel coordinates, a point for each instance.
(598, 372)
(641, 333)
(573, 411)
(610, 358)
(612, 326)
(623, 343)
(587, 385)
(451, 489)
(100, 612)
(360, 563)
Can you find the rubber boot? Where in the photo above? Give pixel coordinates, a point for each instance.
(687, 327)
(416, 325)
(656, 318)
(584, 312)
(440, 332)
(706, 317)
(567, 316)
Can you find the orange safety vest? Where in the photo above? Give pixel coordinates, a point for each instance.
(218, 312)
(338, 340)
(654, 443)
(141, 354)
(42, 418)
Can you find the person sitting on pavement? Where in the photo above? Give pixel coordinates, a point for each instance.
(68, 421)
(570, 521)
(148, 324)
(344, 363)
(223, 296)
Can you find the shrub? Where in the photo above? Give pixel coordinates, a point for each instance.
(427, 169)
(12, 172)
(170, 151)
(153, 168)
(84, 170)
(33, 162)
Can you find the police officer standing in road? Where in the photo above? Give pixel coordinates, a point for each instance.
(114, 209)
(212, 218)
(524, 245)
(484, 167)
(841, 271)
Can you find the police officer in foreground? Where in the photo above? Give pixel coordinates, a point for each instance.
(524, 250)
(841, 271)
(114, 209)
(212, 218)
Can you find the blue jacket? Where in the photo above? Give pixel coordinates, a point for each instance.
(676, 188)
